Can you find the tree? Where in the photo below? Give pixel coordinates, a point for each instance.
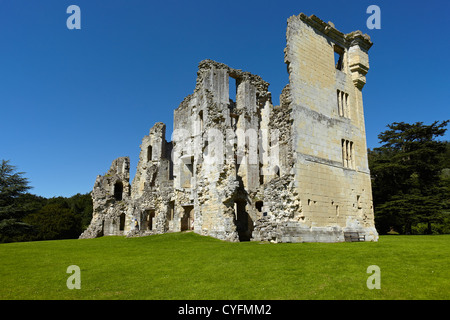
(55, 221)
(446, 156)
(81, 204)
(407, 176)
(12, 186)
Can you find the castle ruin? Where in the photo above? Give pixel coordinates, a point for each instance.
(247, 170)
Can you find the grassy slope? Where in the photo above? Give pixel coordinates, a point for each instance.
(188, 266)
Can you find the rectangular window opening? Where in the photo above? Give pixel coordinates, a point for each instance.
(346, 105)
(348, 154)
(338, 58)
(187, 171)
(339, 103)
(171, 210)
(232, 83)
(149, 153)
(200, 118)
(343, 104)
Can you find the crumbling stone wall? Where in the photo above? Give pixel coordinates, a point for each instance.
(247, 170)
(209, 138)
(152, 187)
(110, 197)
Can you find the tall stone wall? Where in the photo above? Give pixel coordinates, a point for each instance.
(331, 170)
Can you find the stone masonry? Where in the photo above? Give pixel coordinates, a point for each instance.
(247, 170)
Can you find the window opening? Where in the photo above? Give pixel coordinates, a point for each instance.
(149, 153)
(259, 205)
(276, 171)
(122, 222)
(343, 104)
(348, 154)
(200, 116)
(118, 191)
(338, 58)
(232, 83)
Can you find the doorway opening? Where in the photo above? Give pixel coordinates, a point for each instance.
(122, 222)
(243, 221)
(148, 219)
(187, 220)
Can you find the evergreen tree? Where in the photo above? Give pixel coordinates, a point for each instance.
(407, 176)
(12, 186)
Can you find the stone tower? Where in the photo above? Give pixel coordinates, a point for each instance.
(239, 168)
(326, 76)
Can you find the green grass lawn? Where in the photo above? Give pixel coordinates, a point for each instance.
(188, 266)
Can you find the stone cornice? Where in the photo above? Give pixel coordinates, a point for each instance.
(328, 29)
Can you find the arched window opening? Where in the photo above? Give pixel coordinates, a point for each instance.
(259, 205)
(276, 171)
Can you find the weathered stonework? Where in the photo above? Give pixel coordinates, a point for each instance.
(247, 170)
(111, 197)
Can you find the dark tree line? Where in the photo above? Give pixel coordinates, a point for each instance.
(411, 179)
(27, 217)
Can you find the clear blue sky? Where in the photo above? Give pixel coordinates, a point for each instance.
(72, 101)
